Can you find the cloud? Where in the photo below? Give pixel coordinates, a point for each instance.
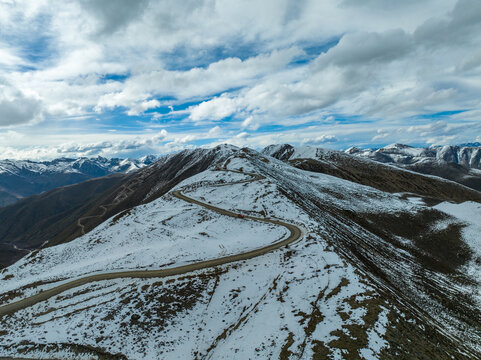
(18, 110)
(461, 27)
(216, 131)
(472, 62)
(262, 69)
(323, 139)
(143, 106)
(113, 15)
(242, 135)
(441, 129)
(8, 57)
(198, 82)
(440, 132)
(386, 74)
(250, 123)
(15, 107)
(365, 49)
(114, 146)
(379, 4)
(215, 109)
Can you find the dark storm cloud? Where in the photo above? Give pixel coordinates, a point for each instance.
(461, 27)
(15, 107)
(114, 15)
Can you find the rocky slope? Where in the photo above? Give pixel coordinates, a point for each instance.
(23, 178)
(458, 163)
(376, 274)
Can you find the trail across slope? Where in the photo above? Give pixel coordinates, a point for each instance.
(104, 210)
(295, 234)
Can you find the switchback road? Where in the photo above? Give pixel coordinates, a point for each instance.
(295, 233)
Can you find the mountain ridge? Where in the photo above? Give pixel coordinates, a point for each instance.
(367, 171)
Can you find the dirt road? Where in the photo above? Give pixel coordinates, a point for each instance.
(295, 234)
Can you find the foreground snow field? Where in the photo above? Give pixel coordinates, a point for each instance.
(309, 300)
(469, 213)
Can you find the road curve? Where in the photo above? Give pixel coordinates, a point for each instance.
(79, 221)
(295, 234)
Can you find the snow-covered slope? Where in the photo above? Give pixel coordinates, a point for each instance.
(349, 289)
(165, 231)
(22, 178)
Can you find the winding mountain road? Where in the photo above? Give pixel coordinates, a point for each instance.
(295, 233)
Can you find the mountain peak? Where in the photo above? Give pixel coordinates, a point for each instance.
(396, 146)
(279, 151)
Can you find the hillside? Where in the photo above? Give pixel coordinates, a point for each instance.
(375, 274)
(32, 222)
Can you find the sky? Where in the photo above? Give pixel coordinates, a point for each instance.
(123, 78)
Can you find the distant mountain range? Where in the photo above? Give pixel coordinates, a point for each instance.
(23, 178)
(467, 155)
(475, 144)
(460, 163)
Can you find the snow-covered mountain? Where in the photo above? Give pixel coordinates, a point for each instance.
(458, 163)
(23, 178)
(365, 171)
(375, 274)
(468, 156)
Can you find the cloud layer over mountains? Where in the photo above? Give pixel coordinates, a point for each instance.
(116, 75)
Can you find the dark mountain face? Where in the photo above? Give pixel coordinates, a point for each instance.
(280, 152)
(7, 198)
(53, 217)
(30, 223)
(23, 178)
